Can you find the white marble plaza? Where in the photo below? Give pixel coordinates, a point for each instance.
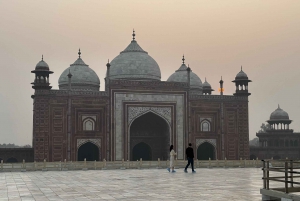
(145, 184)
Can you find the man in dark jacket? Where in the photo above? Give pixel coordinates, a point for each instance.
(190, 156)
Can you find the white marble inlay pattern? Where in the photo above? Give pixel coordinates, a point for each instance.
(134, 112)
(97, 142)
(211, 141)
(155, 98)
(85, 116)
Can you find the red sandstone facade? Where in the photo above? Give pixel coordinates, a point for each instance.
(138, 115)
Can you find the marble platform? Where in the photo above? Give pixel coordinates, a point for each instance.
(145, 184)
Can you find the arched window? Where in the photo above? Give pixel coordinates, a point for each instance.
(295, 143)
(276, 143)
(286, 143)
(271, 143)
(205, 125)
(88, 124)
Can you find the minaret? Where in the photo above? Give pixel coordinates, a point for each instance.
(241, 82)
(70, 76)
(207, 88)
(42, 73)
(221, 86)
(107, 76)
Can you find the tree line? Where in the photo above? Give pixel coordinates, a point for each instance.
(9, 145)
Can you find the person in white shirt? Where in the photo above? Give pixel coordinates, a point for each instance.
(172, 158)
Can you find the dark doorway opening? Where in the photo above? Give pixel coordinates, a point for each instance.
(206, 151)
(152, 131)
(276, 157)
(141, 150)
(252, 157)
(12, 160)
(88, 151)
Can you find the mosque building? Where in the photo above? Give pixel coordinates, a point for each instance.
(137, 115)
(278, 141)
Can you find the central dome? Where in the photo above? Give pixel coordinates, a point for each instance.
(134, 63)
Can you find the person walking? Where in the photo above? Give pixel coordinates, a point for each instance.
(190, 156)
(172, 158)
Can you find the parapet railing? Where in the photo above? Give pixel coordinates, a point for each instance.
(287, 168)
(139, 164)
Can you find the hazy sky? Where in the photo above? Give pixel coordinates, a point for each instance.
(216, 37)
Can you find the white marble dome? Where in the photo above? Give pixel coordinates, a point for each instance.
(134, 63)
(279, 114)
(83, 77)
(181, 75)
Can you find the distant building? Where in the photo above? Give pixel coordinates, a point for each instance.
(279, 141)
(138, 115)
(16, 155)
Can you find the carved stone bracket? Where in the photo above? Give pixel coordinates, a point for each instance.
(97, 142)
(134, 112)
(211, 141)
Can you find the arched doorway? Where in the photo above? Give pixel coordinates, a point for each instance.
(88, 151)
(141, 150)
(12, 160)
(206, 151)
(150, 133)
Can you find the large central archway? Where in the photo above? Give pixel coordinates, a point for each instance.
(149, 137)
(88, 151)
(206, 151)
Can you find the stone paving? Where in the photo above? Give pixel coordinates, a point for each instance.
(146, 184)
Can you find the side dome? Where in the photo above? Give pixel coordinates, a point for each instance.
(206, 85)
(279, 114)
(83, 77)
(134, 63)
(241, 75)
(181, 75)
(42, 66)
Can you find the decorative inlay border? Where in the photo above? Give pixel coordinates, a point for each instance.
(120, 97)
(134, 112)
(211, 141)
(97, 142)
(218, 97)
(72, 92)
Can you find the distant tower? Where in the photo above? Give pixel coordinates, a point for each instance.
(279, 120)
(42, 73)
(241, 83)
(207, 88)
(221, 86)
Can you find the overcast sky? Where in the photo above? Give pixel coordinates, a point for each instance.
(216, 37)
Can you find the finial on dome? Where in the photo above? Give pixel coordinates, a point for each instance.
(278, 106)
(133, 35)
(205, 79)
(79, 53)
(70, 74)
(108, 64)
(241, 68)
(42, 57)
(183, 59)
(188, 68)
